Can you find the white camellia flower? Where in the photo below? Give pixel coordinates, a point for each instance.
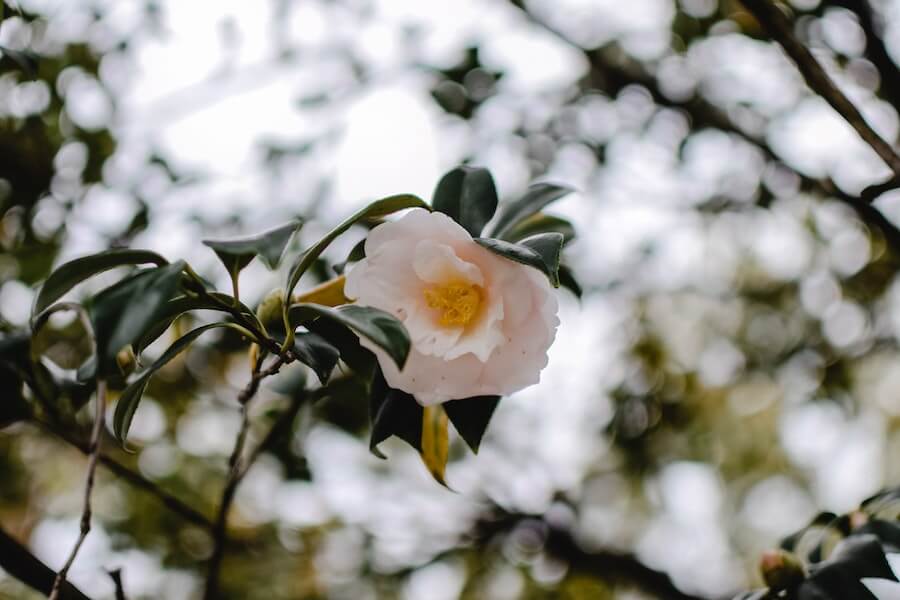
(480, 324)
(885, 589)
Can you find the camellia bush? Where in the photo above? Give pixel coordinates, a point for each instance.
(439, 314)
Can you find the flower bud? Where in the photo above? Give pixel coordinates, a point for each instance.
(781, 570)
(271, 307)
(126, 360)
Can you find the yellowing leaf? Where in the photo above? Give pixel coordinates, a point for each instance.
(330, 293)
(434, 442)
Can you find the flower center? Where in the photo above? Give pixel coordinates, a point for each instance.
(458, 303)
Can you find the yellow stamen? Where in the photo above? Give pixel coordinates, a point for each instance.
(458, 303)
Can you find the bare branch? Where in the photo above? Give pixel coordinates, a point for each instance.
(235, 475)
(93, 457)
(876, 51)
(136, 479)
(777, 24)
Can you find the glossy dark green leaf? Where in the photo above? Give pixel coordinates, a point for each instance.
(396, 413)
(839, 577)
(131, 396)
(70, 274)
(357, 253)
(468, 196)
(317, 353)
(535, 199)
(180, 305)
(379, 208)
(360, 360)
(13, 406)
(123, 313)
(568, 281)
(540, 223)
(540, 251)
(269, 246)
(471, 416)
(377, 326)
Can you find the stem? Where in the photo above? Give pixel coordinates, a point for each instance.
(93, 457)
(235, 475)
(235, 289)
(777, 24)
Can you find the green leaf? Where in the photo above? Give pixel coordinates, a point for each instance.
(540, 223)
(839, 577)
(535, 199)
(357, 253)
(359, 359)
(468, 196)
(379, 327)
(13, 407)
(435, 445)
(539, 251)
(123, 313)
(70, 274)
(568, 281)
(131, 396)
(315, 352)
(269, 246)
(395, 413)
(379, 208)
(177, 306)
(470, 417)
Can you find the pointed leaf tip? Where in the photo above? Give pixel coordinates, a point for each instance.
(468, 196)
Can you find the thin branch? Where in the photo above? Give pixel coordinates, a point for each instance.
(777, 24)
(876, 51)
(20, 563)
(235, 475)
(93, 457)
(136, 479)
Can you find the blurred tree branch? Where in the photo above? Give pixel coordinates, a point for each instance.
(875, 51)
(27, 568)
(93, 455)
(237, 470)
(610, 77)
(608, 565)
(136, 479)
(779, 27)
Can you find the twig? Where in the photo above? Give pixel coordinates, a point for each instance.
(20, 563)
(136, 479)
(93, 457)
(235, 475)
(777, 24)
(876, 51)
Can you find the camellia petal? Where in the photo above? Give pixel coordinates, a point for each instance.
(480, 324)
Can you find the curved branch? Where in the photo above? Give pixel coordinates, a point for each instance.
(778, 26)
